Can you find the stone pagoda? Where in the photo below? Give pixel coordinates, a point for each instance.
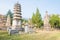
(46, 21)
(8, 22)
(17, 16)
(2, 21)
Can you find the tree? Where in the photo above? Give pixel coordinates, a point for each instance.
(36, 19)
(24, 20)
(55, 21)
(9, 13)
(33, 18)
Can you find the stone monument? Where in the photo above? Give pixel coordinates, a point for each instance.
(8, 22)
(29, 27)
(46, 22)
(16, 24)
(17, 17)
(26, 28)
(2, 22)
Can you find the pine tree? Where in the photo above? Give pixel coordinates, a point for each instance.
(36, 19)
(9, 13)
(33, 18)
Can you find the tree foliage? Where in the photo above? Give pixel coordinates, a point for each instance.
(24, 20)
(36, 19)
(33, 18)
(55, 21)
(9, 13)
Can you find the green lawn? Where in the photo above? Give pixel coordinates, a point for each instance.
(35, 36)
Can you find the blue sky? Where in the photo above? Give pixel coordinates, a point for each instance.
(29, 6)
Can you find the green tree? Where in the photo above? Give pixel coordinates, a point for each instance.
(33, 18)
(37, 19)
(59, 22)
(55, 21)
(9, 13)
(24, 20)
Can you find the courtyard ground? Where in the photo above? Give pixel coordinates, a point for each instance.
(41, 35)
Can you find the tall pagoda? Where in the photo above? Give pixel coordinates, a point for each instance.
(17, 16)
(46, 22)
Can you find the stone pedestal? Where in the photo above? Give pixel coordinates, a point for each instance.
(26, 29)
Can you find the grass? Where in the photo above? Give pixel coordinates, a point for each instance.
(42, 35)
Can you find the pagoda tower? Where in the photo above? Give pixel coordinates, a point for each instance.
(17, 16)
(46, 22)
(8, 22)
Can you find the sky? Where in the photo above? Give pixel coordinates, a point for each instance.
(30, 6)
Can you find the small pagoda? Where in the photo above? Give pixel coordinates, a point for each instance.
(8, 22)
